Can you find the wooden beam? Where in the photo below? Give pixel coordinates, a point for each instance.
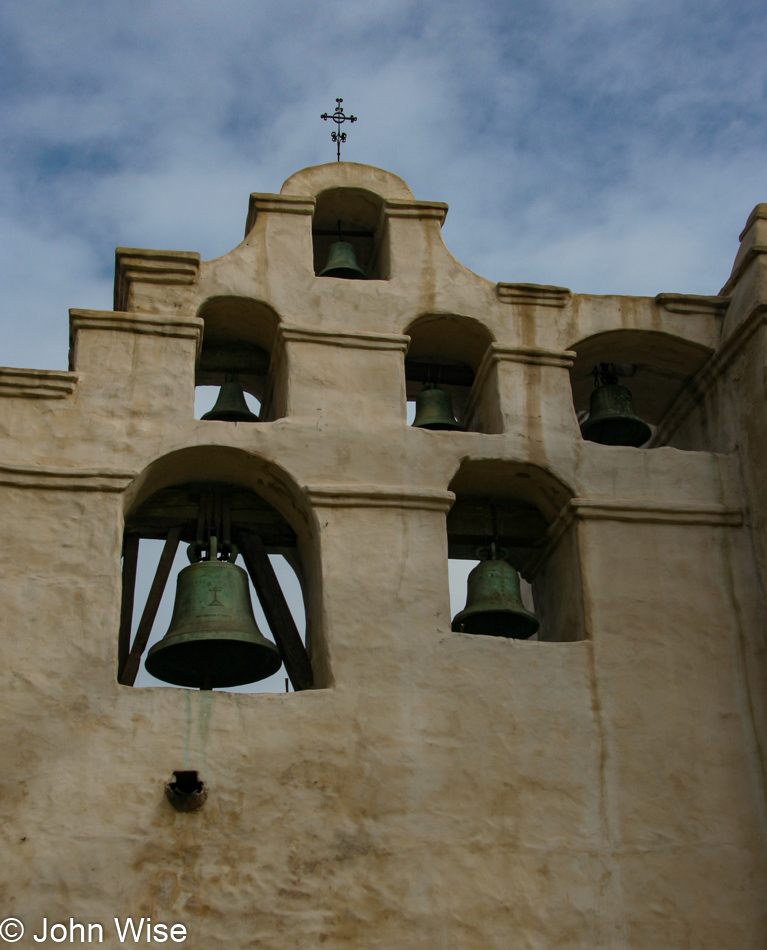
(127, 675)
(475, 522)
(242, 358)
(130, 560)
(421, 371)
(278, 615)
(185, 507)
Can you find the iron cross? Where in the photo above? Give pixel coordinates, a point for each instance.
(339, 118)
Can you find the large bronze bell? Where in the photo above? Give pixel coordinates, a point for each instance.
(434, 409)
(213, 641)
(494, 606)
(230, 405)
(342, 262)
(611, 419)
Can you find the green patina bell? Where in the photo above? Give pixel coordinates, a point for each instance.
(230, 405)
(611, 419)
(342, 262)
(213, 641)
(434, 409)
(494, 606)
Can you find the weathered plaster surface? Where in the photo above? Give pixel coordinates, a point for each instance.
(604, 789)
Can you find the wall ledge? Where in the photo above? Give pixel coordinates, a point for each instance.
(411, 208)
(532, 355)
(378, 496)
(633, 511)
(64, 479)
(149, 266)
(537, 295)
(188, 328)
(262, 203)
(36, 383)
(292, 333)
(693, 304)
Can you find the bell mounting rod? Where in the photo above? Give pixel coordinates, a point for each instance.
(605, 374)
(339, 118)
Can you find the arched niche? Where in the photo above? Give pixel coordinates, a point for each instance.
(262, 502)
(447, 349)
(359, 213)
(653, 365)
(238, 337)
(515, 504)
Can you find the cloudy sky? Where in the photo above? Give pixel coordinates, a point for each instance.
(606, 145)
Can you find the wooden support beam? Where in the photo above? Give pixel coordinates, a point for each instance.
(278, 615)
(186, 506)
(474, 522)
(130, 560)
(127, 675)
(422, 371)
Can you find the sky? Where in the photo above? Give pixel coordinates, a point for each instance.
(610, 146)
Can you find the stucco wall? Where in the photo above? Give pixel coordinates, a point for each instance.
(436, 789)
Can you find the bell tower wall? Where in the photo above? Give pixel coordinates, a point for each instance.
(601, 785)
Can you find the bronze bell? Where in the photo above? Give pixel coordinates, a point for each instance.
(494, 606)
(213, 641)
(230, 405)
(342, 262)
(434, 409)
(611, 419)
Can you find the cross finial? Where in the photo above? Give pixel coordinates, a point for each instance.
(339, 118)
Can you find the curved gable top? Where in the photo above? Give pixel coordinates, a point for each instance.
(317, 178)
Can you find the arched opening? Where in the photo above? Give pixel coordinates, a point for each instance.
(513, 505)
(446, 350)
(652, 365)
(354, 215)
(262, 524)
(238, 339)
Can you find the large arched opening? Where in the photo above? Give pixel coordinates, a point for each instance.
(513, 505)
(446, 350)
(238, 340)
(260, 517)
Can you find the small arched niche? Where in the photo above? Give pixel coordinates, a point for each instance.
(514, 504)
(238, 339)
(447, 350)
(654, 366)
(357, 212)
(183, 498)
